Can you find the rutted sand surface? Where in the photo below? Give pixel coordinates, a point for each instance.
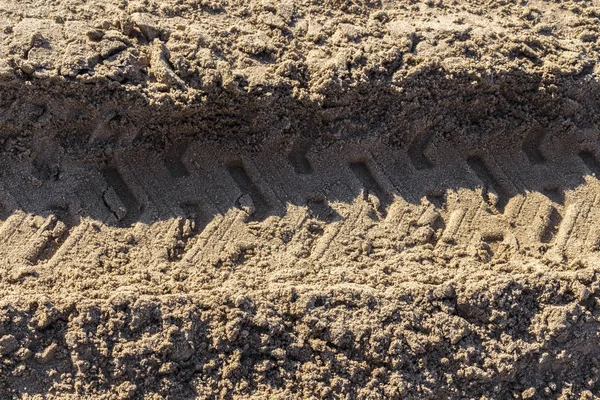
(299, 200)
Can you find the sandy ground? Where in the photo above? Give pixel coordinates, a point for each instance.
(285, 199)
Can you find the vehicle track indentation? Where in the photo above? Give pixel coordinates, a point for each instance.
(484, 174)
(591, 162)
(551, 223)
(174, 163)
(297, 158)
(370, 184)
(531, 146)
(248, 188)
(416, 151)
(119, 199)
(47, 240)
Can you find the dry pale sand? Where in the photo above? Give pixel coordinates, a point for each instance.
(263, 199)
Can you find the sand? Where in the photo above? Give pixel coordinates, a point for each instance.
(295, 199)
